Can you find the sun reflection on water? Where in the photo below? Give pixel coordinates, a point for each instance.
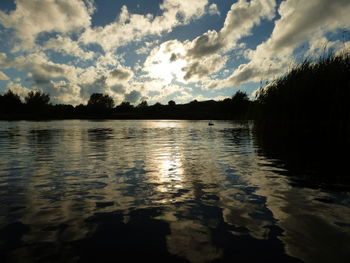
(198, 189)
(166, 173)
(170, 171)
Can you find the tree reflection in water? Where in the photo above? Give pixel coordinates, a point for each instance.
(171, 190)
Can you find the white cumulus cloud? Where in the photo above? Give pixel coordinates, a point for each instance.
(205, 54)
(66, 45)
(300, 22)
(32, 17)
(134, 27)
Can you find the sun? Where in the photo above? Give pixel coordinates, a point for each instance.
(166, 63)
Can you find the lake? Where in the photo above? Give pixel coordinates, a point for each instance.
(176, 191)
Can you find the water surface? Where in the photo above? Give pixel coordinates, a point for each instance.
(77, 191)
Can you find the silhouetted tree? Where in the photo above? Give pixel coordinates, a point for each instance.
(100, 103)
(37, 100)
(143, 104)
(125, 106)
(171, 103)
(156, 109)
(239, 105)
(63, 110)
(10, 102)
(80, 109)
(240, 96)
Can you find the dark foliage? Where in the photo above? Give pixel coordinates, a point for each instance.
(312, 95)
(37, 101)
(303, 118)
(310, 91)
(143, 104)
(171, 103)
(10, 102)
(311, 100)
(125, 106)
(99, 103)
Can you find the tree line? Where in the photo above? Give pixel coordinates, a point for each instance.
(37, 105)
(311, 92)
(301, 120)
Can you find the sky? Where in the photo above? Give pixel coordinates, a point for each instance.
(152, 50)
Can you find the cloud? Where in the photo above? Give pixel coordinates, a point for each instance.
(117, 80)
(70, 84)
(90, 5)
(200, 70)
(204, 55)
(59, 80)
(170, 67)
(3, 76)
(240, 20)
(98, 85)
(65, 92)
(134, 27)
(38, 66)
(128, 28)
(166, 61)
(172, 91)
(254, 73)
(207, 44)
(171, 60)
(42, 72)
(109, 60)
(6, 62)
(300, 22)
(119, 88)
(18, 89)
(133, 96)
(147, 47)
(30, 18)
(67, 18)
(67, 46)
(213, 9)
(186, 9)
(121, 74)
(319, 46)
(113, 82)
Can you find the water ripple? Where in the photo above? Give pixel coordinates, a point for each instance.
(181, 189)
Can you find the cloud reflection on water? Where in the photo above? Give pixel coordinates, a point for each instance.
(206, 184)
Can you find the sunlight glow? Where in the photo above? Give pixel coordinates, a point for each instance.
(165, 65)
(164, 124)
